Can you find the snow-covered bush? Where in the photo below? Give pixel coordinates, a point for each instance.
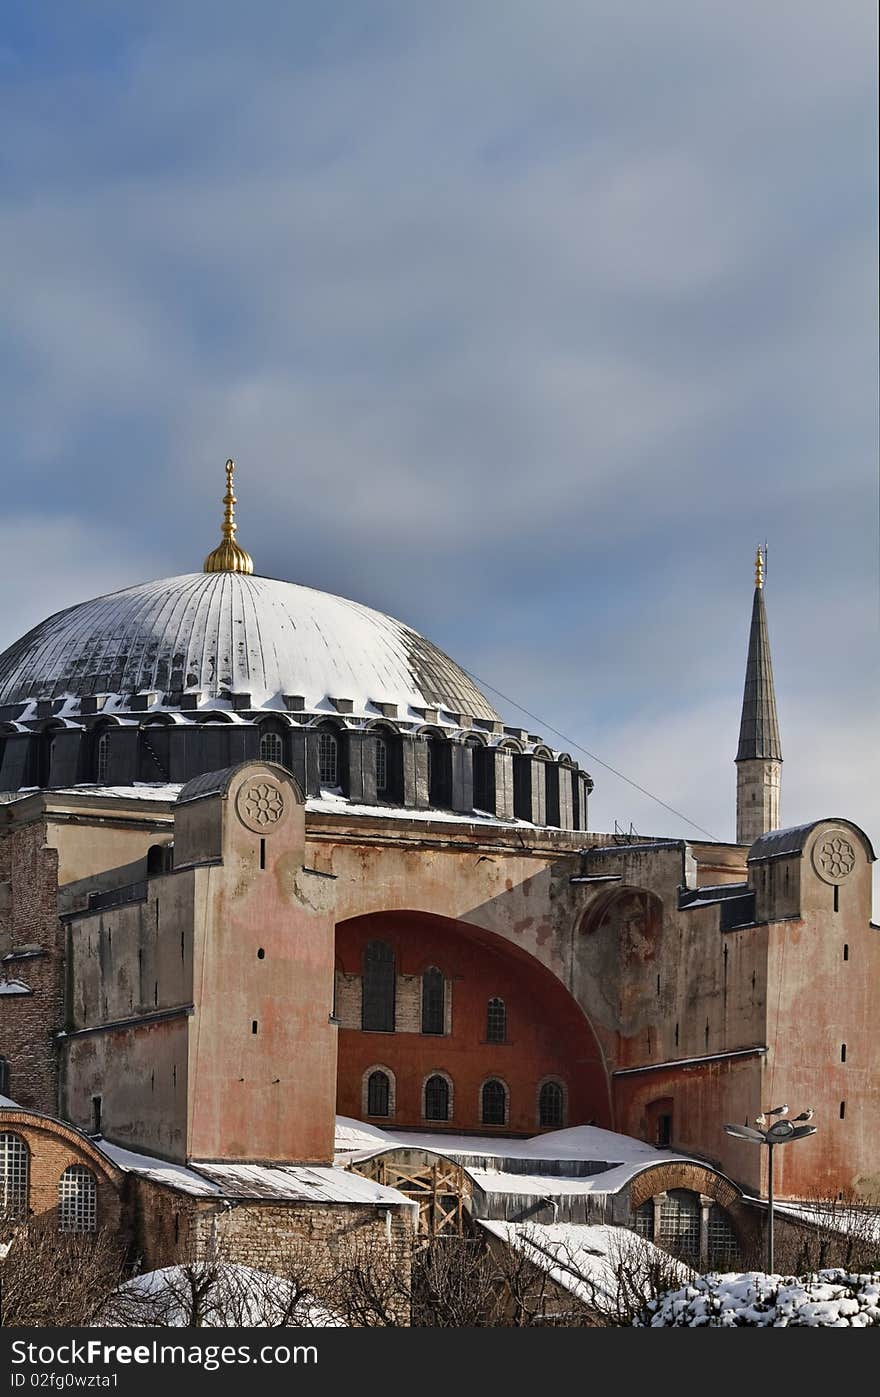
(833, 1299)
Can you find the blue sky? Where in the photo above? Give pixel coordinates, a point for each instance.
(524, 322)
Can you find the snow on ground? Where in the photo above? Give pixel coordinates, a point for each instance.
(586, 1260)
(240, 1297)
(833, 1299)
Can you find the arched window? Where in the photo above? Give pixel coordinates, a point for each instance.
(433, 1001)
(77, 1200)
(496, 1021)
(328, 758)
(439, 772)
(680, 1222)
(643, 1220)
(102, 759)
(436, 1098)
(378, 1094)
(15, 1159)
(377, 988)
(272, 748)
(493, 1103)
(722, 1241)
(551, 1105)
(381, 766)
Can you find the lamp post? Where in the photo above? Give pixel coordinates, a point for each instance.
(779, 1133)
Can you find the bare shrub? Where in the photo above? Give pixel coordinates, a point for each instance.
(56, 1280)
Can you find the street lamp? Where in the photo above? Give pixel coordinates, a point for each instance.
(779, 1133)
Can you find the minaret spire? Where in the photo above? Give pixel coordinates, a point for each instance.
(759, 755)
(229, 556)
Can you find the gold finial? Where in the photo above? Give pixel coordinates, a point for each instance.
(759, 567)
(229, 556)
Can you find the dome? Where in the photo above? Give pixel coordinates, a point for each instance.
(222, 633)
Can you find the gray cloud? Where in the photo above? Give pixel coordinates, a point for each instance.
(525, 322)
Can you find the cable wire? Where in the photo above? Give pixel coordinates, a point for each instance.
(570, 742)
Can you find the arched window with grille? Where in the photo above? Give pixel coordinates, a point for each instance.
(433, 1001)
(378, 1094)
(496, 1021)
(722, 1242)
(378, 988)
(551, 1105)
(493, 1103)
(272, 747)
(381, 766)
(15, 1168)
(102, 759)
(436, 1098)
(77, 1200)
(680, 1223)
(328, 758)
(643, 1220)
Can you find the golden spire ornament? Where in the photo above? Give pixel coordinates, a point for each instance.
(759, 568)
(229, 556)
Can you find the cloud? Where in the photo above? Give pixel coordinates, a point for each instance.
(523, 323)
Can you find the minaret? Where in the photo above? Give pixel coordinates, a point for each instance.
(759, 756)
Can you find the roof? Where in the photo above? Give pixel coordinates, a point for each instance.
(223, 633)
(291, 1183)
(779, 843)
(759, 727)
(588, 1261)
(583, 1159)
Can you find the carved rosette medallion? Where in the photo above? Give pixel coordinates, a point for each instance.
(260, 804)
(834, 857)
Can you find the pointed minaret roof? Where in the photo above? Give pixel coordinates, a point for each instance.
(759, 729)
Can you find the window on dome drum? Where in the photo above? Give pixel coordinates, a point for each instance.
(496, 1021)
(551, 1105)
(378, 988)
(439, 772)
(77, 1200)
(433, 1001)
(328, 759)
(378, 1094)
(102, 759)
(680, 1223)
(437, 1099)
(272, 748)
(493, 1103)
(484, 797)
(15, 1159)
(381, 766)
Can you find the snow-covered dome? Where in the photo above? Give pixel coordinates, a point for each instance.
(219, 634)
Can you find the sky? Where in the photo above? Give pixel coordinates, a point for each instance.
(524, 320)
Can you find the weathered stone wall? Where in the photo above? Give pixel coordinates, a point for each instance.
(32, 950)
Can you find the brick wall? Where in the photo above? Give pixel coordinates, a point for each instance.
(53, 1148)
(29, 918)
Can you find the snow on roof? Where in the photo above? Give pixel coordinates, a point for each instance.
(292, 1182)
(6, 1103)
(837, 1217)
(14, 987)
(300, 1183)
(237, 1296)
(585, 1259)
(161, 1171)
(577, 1143)
(219, 633)
(330, 804)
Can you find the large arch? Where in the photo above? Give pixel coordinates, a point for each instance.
(547, 1033)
